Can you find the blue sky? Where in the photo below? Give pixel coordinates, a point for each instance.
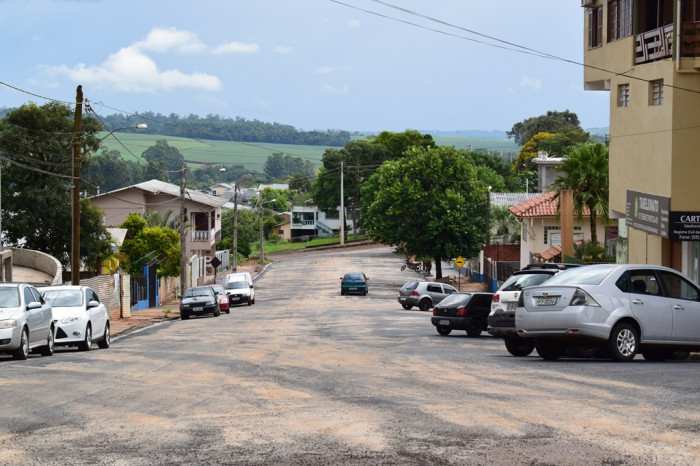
(443, 65)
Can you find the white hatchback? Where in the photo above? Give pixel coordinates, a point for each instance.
(79, 316)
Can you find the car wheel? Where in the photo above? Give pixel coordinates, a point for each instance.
(679, 355)
(443, 330)
(364, 293)
(106, 338)
(623, 342)
(474, 328)
(217, 311)
(655, 355)
(549, 350)
(424, 304)
(22, 352)
(581, 351)
(520, 346)
(406, 306)
(86, 344)
(184, 315)
(228, 310)
(250, 302)
(342, 292)
(48, 349)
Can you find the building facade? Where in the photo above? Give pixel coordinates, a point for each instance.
(646, 54)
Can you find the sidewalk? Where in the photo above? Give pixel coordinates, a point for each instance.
(144, 318)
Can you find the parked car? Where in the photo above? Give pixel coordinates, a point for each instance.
(425, 295)
(240, 289)
(462, 311)
(501, 321)
(222, 297)
(26, 321)
(199, 300)
(621, 309)
(78, 315)
(354, 283)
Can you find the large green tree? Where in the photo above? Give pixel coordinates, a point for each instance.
(586, 172)
(164, 161)
(432, 201)
(248, 231)
(398, 143)
(36, 146)
(551, 122)
(145, 244)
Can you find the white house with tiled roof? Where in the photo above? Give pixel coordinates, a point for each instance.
(540, 229)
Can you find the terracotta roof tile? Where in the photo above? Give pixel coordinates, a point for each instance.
(541, 206)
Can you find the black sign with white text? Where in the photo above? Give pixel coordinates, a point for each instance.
(648, 212)
(684, 226)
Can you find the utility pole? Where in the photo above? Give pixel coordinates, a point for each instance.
(262, 255)
(77, 137)
(342, 207)
(183, 240)
(235, 229)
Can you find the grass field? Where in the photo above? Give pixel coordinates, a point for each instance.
(253, 155)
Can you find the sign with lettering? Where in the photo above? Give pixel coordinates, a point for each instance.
(684, 226)
(648, 212)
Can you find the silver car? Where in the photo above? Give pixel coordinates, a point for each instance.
(26, 321)
(425, 295)
(79, 316)
(619, 310)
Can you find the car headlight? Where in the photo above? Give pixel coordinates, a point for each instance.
(10, 323)
(69, 320)
(209, 303)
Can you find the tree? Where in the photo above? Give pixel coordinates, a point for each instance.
(145, 244)
(163, 159)
(109, 171)
(551, 122)
(586, 172)
(248, 231)
(431, 201)
(398, 143)
(36, 143)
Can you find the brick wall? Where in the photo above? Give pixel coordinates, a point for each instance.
(502, 252)
(108, 289)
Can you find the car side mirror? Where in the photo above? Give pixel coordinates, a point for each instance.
(33, 305)
(252, 286)
(92, 304)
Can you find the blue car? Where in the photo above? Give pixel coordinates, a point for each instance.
(354, 283)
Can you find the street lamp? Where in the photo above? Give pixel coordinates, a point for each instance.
(77, 160)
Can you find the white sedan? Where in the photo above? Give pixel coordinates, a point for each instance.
(79, 316)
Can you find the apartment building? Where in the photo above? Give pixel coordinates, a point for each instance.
(646, 54)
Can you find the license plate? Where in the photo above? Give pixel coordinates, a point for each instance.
(353, 288)
(402, 299)
(510, 307)
(198, 309)
(235, 298)
(548, 301)
(444, 322)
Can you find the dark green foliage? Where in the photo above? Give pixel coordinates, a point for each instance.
(279, 166)
(37, 144)
(150, 243)
(552, 122)
(248, 231)
(164, 161)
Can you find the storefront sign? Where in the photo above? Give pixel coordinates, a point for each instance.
(685, 226)
(648, 212)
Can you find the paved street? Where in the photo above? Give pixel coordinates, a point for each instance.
(307, 376)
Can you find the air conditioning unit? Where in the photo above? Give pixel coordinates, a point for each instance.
(588, 2)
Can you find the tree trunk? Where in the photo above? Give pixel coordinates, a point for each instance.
(438, 268)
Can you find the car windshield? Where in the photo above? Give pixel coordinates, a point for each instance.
(193, 292)
(518, 282)
(9, 297)
(455, 299)
(588, 275)
(236, 285)
(217, 288)
(63, 298)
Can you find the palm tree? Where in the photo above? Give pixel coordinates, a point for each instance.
(586, 173)
(156, 219)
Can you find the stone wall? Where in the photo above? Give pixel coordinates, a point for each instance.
(38, 261)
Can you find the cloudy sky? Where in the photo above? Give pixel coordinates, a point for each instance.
(365, 65)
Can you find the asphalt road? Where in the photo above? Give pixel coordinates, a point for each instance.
(306, 376)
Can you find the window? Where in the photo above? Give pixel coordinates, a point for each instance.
(619, 19)
(656, 92)
(623, 95)
(678, 287)
(595, 27)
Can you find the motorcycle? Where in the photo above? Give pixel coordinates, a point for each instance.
(411, 265)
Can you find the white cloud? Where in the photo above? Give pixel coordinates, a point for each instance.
(236, 47)
(531, 83)
(283, 50)
(324, 70)
(327, 88)
(162, 40)
(130, 70)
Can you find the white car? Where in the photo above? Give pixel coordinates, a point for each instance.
(79, 316)
(25, 321)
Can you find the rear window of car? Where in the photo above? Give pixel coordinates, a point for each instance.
(353, 276)
(518, 282)
(456, 299)
(588, 275)
(410, 286)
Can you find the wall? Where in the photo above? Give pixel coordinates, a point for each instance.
(39, 261)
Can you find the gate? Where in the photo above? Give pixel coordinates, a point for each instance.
(144, 289)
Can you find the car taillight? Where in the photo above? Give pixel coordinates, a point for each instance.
(414, 293)
(462, 311)
(495, 298)
(435, 311)
(581, 298)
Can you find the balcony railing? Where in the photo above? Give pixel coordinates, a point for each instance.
(654, 45)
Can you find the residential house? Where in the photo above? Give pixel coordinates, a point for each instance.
(223, 190)
(646, 54)
(540, 229)
(203, 228)
(308, 220)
